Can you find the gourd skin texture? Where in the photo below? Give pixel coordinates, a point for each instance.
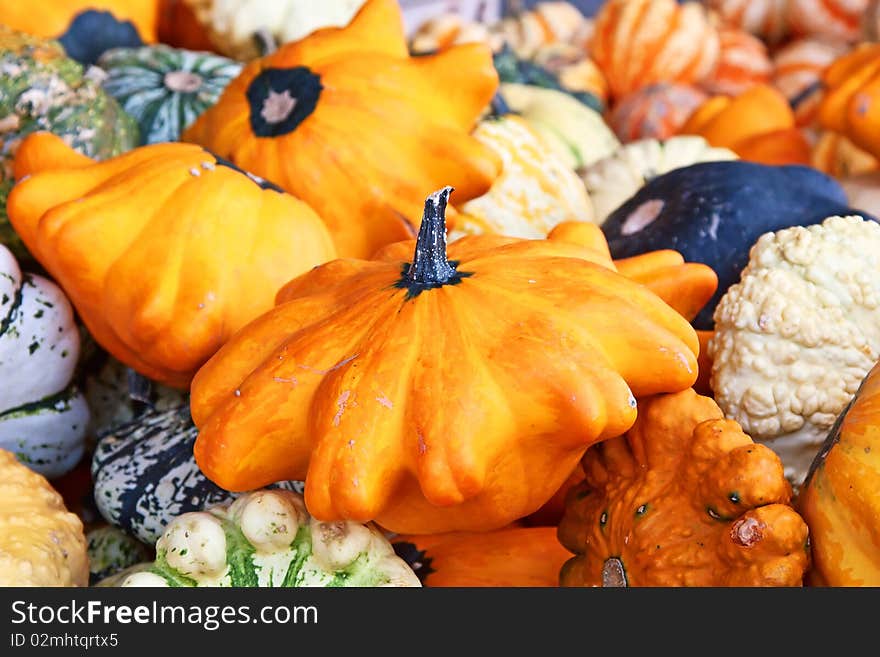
(685, 498)
(164, 251)
(145, 475)
(372, 130)
(43, 417)
(713, 212)
(407, 405)
(43, 89)
(654, 112)
(849, 105)
(839, 500)
(576, 132)
(794, 338)
(231, 24)
(535, 191)
(267, 539)
(41, 542)
(615, 178)
(511, 556)
(54, 17)
(164, 88)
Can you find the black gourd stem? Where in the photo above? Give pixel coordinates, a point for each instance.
(430, 266)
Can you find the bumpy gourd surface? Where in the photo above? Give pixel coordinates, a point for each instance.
(794, 338)
(685, 498)
(267, 539)
(41, 542)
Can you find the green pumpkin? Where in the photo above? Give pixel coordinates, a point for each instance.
(41, 89)
(165, 88)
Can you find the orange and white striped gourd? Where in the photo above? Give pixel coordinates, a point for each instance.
(832, 18)
(764, 18)
(743, 63)
(641, 42)
(798, 68)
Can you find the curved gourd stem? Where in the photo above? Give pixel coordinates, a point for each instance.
(430, 267)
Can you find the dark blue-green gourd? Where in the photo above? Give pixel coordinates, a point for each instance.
(713, 212)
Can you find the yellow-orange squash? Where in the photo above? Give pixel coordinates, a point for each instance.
(839, 499)
(758, 125)
(433, 393)
(164, 251)
(685, 498)
(641, 42)
(510, 557)
(850, 104)
(51, 18)
(535, 191)
(347, 121)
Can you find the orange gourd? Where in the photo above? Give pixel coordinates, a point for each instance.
(53, 17)
(743, 63)
(758, 125)
(839, 499)
(684, 498)
(849, 105)
(347, 121)
(437, 393)
(165, 251)
(641, 42)
(837, 156)
(657, 111)
(798, 68)
(765, 18)
(510, 557)
(840, 19)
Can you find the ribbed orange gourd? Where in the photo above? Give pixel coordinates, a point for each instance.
(642, 42)
(852, 88)
(52, 17)
(764, 18)
(685, 498)
(743, 63)
(833, 18)
(347, 121)
(437, 393)
(758, 125)
(164, 251)
(839, 499)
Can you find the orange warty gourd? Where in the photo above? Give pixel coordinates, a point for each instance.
(165, 251)
(849, 105)
(839, 499)
(53, 17)
(684, 498)
(511, 556)
(642, 42)
(347, 121)
(436, 393)
(758, 125)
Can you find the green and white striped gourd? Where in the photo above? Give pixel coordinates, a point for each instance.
(42, 89)
(43, 417)
(266, 538)
(145, 474)
(165, 89)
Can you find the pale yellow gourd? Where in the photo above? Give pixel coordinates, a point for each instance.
(41, 542)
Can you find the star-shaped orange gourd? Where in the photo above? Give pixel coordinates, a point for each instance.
(347, 121)
(433, 392)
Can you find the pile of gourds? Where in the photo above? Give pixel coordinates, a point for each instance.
(288, 299)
